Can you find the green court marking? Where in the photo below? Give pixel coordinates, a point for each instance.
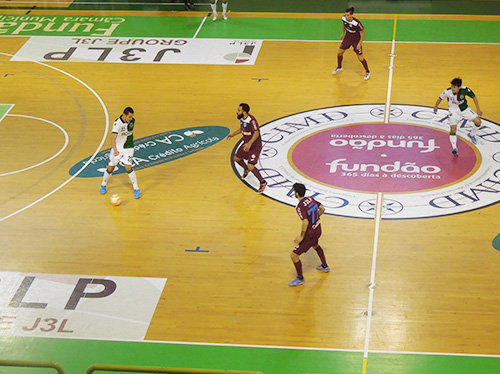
(381, 363)
(316, 6)
(247, 28)
(4, 109)
(291, 29)
(265, 359)
(496, 242)
(448, 31)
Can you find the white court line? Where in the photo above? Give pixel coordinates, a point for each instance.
(387, 112)
(378, 213)
(372, 285)
(66, 141)
(106, 115)
(199, 28)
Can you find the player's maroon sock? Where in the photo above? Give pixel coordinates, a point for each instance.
(243, 164)
(256, 172)
(321, 255)
(298, 267)
(339, 60)
(365, 65)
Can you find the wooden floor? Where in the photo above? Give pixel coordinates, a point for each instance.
(438, 278)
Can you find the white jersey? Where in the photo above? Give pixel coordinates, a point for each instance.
(458, 102)
(124, 131)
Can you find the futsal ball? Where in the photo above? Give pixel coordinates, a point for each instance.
(115, 200)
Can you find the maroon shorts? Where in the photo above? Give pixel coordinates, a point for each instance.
(252, 155)
(351, 42)
(305, 244)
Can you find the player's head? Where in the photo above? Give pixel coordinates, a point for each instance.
(349, 13)
(456, 83)
(300, 190)
(243, 111)
(128, 114)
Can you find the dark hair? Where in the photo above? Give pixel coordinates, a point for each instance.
(350, 10)
(245, 107)
(300, 189)
(456, 82)
(128, 110)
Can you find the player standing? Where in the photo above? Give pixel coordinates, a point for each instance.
(309, 211)
(354, 36)
(252, 144)
(459, 109)
(213, 5)
(122, 149)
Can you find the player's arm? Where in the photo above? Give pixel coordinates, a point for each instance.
(305, 224)
(437, 104)
(343, 32)
(478, 110)
(114, 135)
(321, 209)
(234, 133)
(255, 136)
(363, 33)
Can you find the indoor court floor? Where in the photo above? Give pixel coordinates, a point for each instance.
(195, 273)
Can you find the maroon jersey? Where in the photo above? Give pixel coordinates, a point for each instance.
(353, 28)
(248, 127)
(309, 208)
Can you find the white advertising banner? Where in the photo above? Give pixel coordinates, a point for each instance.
(140, 50)
(77, 306)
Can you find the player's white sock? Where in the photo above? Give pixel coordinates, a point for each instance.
(105, 177)
(224, 8)
(214, 8)
(133, 179)
(453, 141)
(474, 129)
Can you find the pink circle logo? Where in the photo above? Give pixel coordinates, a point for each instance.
(377, 157)
(346, 155)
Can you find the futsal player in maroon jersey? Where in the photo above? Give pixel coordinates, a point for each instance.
(252, 144)
(354, 33)
(309, 211)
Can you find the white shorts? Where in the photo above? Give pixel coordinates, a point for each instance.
(468, 114)
(126, 156)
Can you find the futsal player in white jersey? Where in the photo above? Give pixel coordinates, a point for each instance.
(213, 5)
(122, 149)
(459, 109)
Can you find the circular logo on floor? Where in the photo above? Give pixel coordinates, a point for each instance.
(346, 155)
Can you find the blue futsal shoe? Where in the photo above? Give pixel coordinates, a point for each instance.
(102, 190)
(455, 152)
(321, 268)
(472, 138)
(137, 193)
(297, 282)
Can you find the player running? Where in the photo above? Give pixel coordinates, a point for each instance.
(459, 109)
